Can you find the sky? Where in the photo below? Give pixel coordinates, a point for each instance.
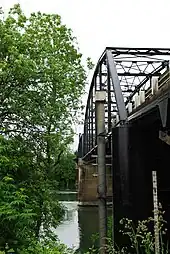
(101, 23)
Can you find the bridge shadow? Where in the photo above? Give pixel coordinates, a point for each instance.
(143, 152)
(88, 220)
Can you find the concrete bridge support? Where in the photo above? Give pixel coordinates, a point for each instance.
(88, 182)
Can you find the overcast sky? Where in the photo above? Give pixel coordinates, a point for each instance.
(101, 23)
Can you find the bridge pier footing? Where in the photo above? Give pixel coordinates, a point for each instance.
(88, 182)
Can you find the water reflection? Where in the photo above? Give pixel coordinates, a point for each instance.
(68, 230)
(88, 225)
(79, 224)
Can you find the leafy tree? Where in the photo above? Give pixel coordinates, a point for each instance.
(90, 64)
(16, 213)
(41, 77)
(27, 197)
(66, 173)
(41, 82)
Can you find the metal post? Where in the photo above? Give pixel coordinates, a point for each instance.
(100, 119)
(156, 210)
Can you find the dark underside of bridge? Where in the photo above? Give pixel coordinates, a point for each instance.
(137, 133)
(137, 151)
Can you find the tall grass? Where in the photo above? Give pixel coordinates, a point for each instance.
(141, 237)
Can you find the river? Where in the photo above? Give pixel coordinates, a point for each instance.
(79, 224)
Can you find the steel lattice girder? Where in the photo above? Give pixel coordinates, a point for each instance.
(122, 73)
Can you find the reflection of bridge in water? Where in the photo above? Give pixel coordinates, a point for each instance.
(137, 122)
(79, 224)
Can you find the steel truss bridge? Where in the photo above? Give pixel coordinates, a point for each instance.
(137, 123)
(125, 74)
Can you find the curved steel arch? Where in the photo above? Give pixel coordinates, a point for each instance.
(122, 73)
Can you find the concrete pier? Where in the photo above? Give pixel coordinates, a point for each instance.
(88, 182)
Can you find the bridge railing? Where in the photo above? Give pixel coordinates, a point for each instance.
(145, 94)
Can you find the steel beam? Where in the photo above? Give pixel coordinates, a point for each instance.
(157, 70)
(134, 74)
(140, 51)
(120, 176)
(117, 89)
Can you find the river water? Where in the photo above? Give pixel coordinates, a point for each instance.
(79, 224)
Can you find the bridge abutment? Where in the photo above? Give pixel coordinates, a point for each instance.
(88, 182)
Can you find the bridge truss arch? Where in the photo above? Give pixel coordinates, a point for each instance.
(127, 75)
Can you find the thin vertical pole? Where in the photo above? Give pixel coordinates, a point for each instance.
(113, 208)
(156, 216)
(100, 100)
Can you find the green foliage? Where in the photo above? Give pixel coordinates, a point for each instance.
(41, 83)
(90, 64)
(16, 214)
(27, 197)
(66, 171)
(47, 247)
(41, 78)
(141, 239)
